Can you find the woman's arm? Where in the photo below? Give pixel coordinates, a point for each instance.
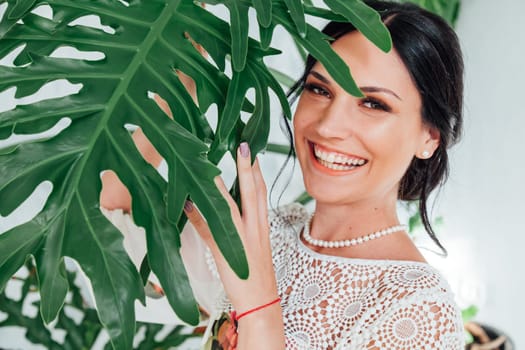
(260, 328)
(114, 194)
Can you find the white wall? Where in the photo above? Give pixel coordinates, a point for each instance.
(483, 203)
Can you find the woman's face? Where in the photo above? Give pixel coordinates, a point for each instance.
(358, 148)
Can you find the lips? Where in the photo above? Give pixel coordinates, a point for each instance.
(333, 160)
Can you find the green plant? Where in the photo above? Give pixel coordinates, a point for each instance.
(79, 335)
(147, 43)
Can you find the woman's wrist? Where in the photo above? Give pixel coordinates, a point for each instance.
(238, 315)
(263, 329)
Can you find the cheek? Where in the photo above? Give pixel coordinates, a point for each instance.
(298, 135)
(396, 145)
(300, 131)
(300, 120)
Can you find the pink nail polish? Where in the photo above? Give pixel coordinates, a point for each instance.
(245, 150)
(188, 206)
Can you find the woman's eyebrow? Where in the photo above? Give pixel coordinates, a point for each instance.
(362, 88)
(320, 76)
(379, 89)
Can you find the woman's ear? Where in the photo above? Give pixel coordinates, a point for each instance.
(429, 142)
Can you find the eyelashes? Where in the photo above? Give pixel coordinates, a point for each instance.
(316, 89)
(368, 102)
(374, 103)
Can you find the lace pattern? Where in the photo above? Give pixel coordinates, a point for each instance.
(340, 303)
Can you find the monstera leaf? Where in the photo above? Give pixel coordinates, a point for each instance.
(144, 44)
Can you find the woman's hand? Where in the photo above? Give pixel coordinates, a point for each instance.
(264, 327)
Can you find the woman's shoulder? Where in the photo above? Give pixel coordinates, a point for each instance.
(398, 283)
(413, 278)
(418, 288)
(413, 296)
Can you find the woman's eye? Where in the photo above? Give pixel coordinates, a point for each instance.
(318, 90)
(375, 104)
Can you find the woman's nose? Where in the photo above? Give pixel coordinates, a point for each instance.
(336, 120)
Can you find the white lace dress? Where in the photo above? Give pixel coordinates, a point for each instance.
(332, 302)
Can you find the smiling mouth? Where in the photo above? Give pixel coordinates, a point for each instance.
(335, 160)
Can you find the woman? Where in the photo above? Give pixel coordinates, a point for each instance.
(348, 276)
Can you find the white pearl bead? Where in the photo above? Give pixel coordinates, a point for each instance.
(348, 242)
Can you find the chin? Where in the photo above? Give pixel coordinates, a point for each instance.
(330, 193)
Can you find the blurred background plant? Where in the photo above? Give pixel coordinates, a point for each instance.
(77, 321)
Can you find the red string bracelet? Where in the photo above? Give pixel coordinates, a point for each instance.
(237, 318)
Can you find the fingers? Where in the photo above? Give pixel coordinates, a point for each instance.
(198, 222)
(231, 202)
(254, 217)
(260, 186)
(247, 185)
(202, 228)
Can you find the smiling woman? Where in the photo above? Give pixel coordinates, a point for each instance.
(347, 276)
(410, 114)
(379, 133)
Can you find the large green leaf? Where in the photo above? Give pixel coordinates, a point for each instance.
(296, 10)
(365, 19)
(152, 41)
(17, 9)
(264, 11)
(319, 46)
(239, 34)
(139, 57)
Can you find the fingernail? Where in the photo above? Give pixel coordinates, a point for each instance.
(245, 150)
(188, 206)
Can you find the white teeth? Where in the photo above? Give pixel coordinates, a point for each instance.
(336, 166)
(337, 161)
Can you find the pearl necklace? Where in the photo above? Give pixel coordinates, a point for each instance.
(348, 242)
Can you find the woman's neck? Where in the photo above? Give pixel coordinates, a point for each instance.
(346, 221)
